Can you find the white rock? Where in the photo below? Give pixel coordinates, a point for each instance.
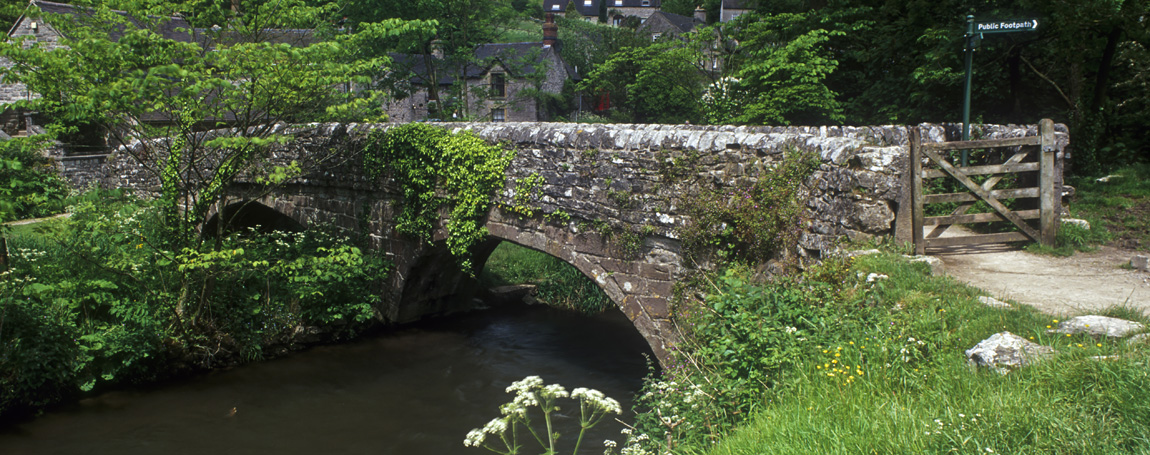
(875, 277)
(1006, 350)
(993, 302)
(937, 267)
(1140, 262)
(1099, 325)
(857, 253)
(1077, 222)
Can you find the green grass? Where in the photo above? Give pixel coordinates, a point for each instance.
(521, 31)
(46, 228)
(559, 284)
(927, 399)
(1120, 205)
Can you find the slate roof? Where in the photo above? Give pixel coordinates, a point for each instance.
(677, 22)
(176, 28)
(552, 6)
(518, 58)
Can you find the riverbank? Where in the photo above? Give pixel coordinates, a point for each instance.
(868, 355)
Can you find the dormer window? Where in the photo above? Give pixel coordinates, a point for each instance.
(586, 2)
(646, 2)
(498, 85)
(555, 7)
(618, 2)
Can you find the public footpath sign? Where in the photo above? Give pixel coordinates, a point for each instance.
(1027, 25)
(974, 32)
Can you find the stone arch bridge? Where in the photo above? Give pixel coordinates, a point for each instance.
(605, 178)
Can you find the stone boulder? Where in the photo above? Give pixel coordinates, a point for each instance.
(1005, 350)
(937, 267)
(1098, 326)
(1140, 262)
(993, 302)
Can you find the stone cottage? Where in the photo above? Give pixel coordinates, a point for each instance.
(503, 82)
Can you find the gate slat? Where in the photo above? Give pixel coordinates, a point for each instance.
(983, 238)
(984, 170)
(989, 143)
(978, 218)
(1013, 193)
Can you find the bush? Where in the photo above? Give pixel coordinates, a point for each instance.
(104, 302)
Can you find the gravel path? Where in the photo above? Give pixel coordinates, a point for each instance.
(1083, 283)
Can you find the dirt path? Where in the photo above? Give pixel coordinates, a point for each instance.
(1085, 282)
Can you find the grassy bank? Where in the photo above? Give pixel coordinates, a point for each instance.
(867, 356)
(558, 284)
(1119, 203)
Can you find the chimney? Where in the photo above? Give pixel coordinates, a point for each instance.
(700, 13)
(437, 48)
(550, 31)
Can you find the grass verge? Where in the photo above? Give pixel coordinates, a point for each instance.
(1118, 203)
(881, 369)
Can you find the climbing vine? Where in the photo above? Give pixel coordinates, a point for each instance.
(752, 220)
(436, 169)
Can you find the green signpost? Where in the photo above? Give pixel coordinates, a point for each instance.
(974, 32)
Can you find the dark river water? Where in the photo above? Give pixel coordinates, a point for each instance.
(417, 390)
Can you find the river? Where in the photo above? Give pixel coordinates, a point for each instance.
(416, 390)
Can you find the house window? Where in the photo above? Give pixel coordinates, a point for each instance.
(646, 2)
(497, 115)
(586, 2)
(498, 85)
(617, 21)
(618, 2)
(555, 7)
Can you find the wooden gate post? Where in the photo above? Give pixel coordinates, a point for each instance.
(1048, 219)
(916, 190)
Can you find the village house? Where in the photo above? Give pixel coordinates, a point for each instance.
(503, 82)
(617, 10)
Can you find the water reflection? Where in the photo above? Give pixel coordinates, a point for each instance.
(415, 391)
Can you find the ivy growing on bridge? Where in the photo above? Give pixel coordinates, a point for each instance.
(752, 220)
(434, 169)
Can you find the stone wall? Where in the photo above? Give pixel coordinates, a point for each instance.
(607, 180)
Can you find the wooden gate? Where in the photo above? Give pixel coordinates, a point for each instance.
(1042, 145)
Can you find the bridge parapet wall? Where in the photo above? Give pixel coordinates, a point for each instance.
(615, 185)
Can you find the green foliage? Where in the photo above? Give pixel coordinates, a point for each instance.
(558, 284)
(30, 187)
(102, 300)
(783, 77)
(1117, 204)
(526, 194)
(751, 221)
(654, 84)
(424, 160)
(117, 72)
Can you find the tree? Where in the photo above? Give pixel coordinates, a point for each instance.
(199, 110)
(655, 84)
(780, 78)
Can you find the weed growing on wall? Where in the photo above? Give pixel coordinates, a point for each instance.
(753, 220)
(436, 169)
